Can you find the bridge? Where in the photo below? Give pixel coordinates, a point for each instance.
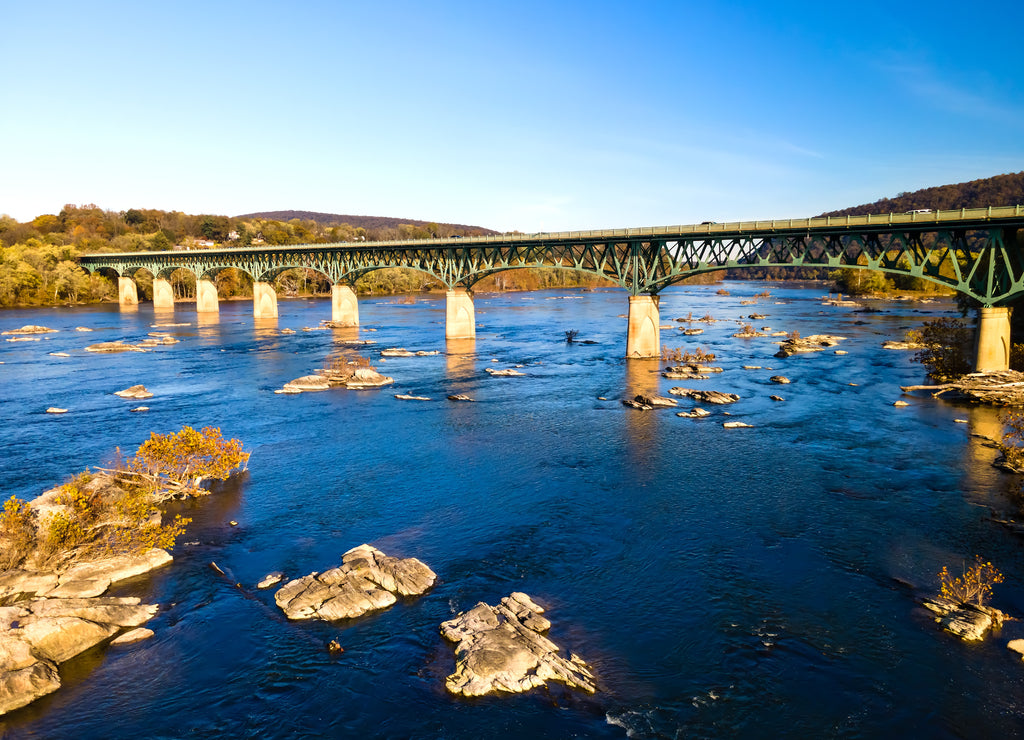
(978, 252)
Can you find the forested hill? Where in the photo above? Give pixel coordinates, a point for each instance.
(1001, 190)
(370, 223)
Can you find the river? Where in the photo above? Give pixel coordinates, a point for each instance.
(753, 582)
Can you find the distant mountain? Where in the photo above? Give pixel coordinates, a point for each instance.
(1001, 190)
(367, 222)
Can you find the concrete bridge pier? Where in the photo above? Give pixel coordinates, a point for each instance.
(206, 297)
(460, 316)
(264, 301)
(163, 294)
(127, 292)
(344, 306)
(992, 349)
(643, 338)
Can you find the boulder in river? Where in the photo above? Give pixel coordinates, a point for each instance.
(136, 391)
(56, 410)
(459, 397)
(30, 329)
(367, 580)
(715, 397)
(501, 648)
(813, 343)
(656, 401)
(307, 383)
(969, 622)
(696, 413)
(780, 379)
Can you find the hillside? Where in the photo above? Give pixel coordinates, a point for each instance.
(1001, 190)
(370, 223)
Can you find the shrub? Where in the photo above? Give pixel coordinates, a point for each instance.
(1012, 444)
(671, 354)
(17, 532)
(722, 291)
(974, 586)
(948, 348)
(180, 462)
(570, 335)
(698, 355)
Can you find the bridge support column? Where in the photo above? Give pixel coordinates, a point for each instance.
(264, 301)
(644, 337)
(460, 317)
(163, 294)
(127, 292)
(206, 297)
(992, 350)
(344, 306)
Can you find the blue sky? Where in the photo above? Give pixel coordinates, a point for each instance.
(537, 116)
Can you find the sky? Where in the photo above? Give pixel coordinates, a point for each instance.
(529, 116)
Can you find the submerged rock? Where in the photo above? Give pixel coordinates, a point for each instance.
(56, 410)
(118, 346)
(270, 579)
(367, 580)
(656, 401)
(407, 397)
(894, 344)
(501, 648)
(459, 397)
(697, 413)
(780, 379)
(507, 372)
(737, 425)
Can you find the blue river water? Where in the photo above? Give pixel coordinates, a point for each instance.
(757, 582)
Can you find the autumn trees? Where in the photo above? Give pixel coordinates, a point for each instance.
(114, 510)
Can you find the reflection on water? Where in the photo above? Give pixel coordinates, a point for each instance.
(722, 582)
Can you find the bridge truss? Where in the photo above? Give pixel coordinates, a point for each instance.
(977, 252)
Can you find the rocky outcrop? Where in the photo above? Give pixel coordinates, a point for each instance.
(459, 397)
(307, 383)
(403, 352)
(1004, 388)
(56, 410)
(408, 397)
(136, 391)
(118, 346)
(656, 401)
(697, 413)
(85, 579)
(813, 343)
(780, 379)
(690, 371)
(736, 425)
(501, 648)
(969, 622)
(30, 329)
(37, 635)
(367, 377)
(367, 580)
(893, 344)
(715, 397)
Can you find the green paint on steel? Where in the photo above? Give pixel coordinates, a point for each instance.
(977, 252)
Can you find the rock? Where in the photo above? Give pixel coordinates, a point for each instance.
(136, 391)
(119, 346)
(715, 397)
(55, 410)
(736, 425)
(30, 329)
(969, 622)
(692, 332)
(697, 413)
(752, 367)
(136, 635)
(777, 398)
(656, 401)
(1016, 646)
(16, 585)
(82, 328)
(751, 334)
(407, 397)
(116, 568)
(15, 653)
(893, 344)
(780, 379)
(459, 397)
(840, 352)
(813, 343)
(23, 339)
(396, 352)
(506, 372)
(501, 648)
(59, 354)
(139, 408)
(270, 579)
(366, 377)
(634, 404)
(900, 403)
(307, 383)
(157, 342)
(58, 639)
(367, 580)
(116, 611)
(24, 686)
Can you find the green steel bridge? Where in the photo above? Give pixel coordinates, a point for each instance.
(978, 252)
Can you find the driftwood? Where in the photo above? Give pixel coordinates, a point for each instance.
(1004, 388)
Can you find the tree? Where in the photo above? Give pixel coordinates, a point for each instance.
(181, 462)
(948, 344)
